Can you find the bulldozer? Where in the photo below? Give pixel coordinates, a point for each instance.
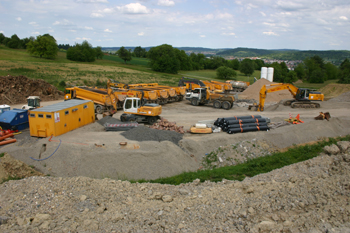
(135, 111)
(303, 97)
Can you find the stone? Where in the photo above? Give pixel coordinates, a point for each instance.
(39, 218)
(184, 191)
(343, 145)
(331, 150)
(3, 220)
(117, 217)
(83, 198)
(167, 198)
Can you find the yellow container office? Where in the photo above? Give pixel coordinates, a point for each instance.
(61, 118)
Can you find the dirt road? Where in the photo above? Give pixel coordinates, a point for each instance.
(91, 151)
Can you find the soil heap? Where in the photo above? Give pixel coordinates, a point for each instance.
(311, 196)
(252, 92)
(15, 90)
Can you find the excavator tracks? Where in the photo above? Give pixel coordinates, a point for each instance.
(303, 104)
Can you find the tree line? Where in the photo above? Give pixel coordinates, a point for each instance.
(165, 58)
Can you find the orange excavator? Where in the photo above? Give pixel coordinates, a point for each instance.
(303, 97)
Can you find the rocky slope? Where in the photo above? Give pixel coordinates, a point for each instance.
(312, 196)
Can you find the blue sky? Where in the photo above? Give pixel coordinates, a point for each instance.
(263, 24)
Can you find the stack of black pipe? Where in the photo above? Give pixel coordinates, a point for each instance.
(241, 124)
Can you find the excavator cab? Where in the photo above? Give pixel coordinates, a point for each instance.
(132, 105)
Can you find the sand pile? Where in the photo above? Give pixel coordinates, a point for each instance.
(252, 92)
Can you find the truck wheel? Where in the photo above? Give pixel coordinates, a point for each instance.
(151, 120)
(217, 104)
(226, 105)
(99, 109)
(194, 102)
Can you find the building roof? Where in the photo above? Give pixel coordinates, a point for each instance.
(61, 106)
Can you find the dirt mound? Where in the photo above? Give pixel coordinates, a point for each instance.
(10, 166)
(252, 92)
(333, 90)
(15, 90)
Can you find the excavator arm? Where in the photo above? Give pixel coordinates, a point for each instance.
(274, 87)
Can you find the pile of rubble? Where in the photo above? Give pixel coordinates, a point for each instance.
(15, 90)
(164, 124)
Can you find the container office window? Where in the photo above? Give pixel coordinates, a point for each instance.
(48, 116)
(32, 115)
(66, 112)
(85, 106)
(41, 115)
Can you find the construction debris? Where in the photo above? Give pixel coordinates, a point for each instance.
(294, 120)
(120, 127)
(15, 89)
(164, 124)
(323, 116)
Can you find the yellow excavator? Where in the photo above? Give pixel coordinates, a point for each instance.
(303, 97)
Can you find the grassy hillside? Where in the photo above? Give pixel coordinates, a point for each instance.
(18, 62)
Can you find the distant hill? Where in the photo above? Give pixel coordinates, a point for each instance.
(334, 56)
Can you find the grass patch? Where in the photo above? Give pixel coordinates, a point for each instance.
(2, 155)
(252, 167)
(10, 178)
(211, 75)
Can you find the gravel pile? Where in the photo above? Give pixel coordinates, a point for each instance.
(252, 92)
(311, 196)
(345, 97)
(143, 133)
(236, 153)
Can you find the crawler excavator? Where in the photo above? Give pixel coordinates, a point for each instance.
(302, 96)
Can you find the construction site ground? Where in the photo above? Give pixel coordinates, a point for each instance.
(311, 196)
(92, 152)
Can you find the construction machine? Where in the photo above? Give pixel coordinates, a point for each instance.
(238, 86)
(104, 101)
(302, 96)
(135, 111)
(201, 96)
(33, 102)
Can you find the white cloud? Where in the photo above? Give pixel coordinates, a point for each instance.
(262, 13)
(93, 1)
(83, 38)
(224, 16)
(35, 33)
(343, 17)
(133, 8)
(88, 28)
(270, 33)
(72, 30)
(33, 23)
(19, 19)
(228, 34)
(166, 3)
(96, 15)
(141, 34)
(64, 22)
(202, 36)
(107, 30)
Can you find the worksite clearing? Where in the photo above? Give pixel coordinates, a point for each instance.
(145, 153)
